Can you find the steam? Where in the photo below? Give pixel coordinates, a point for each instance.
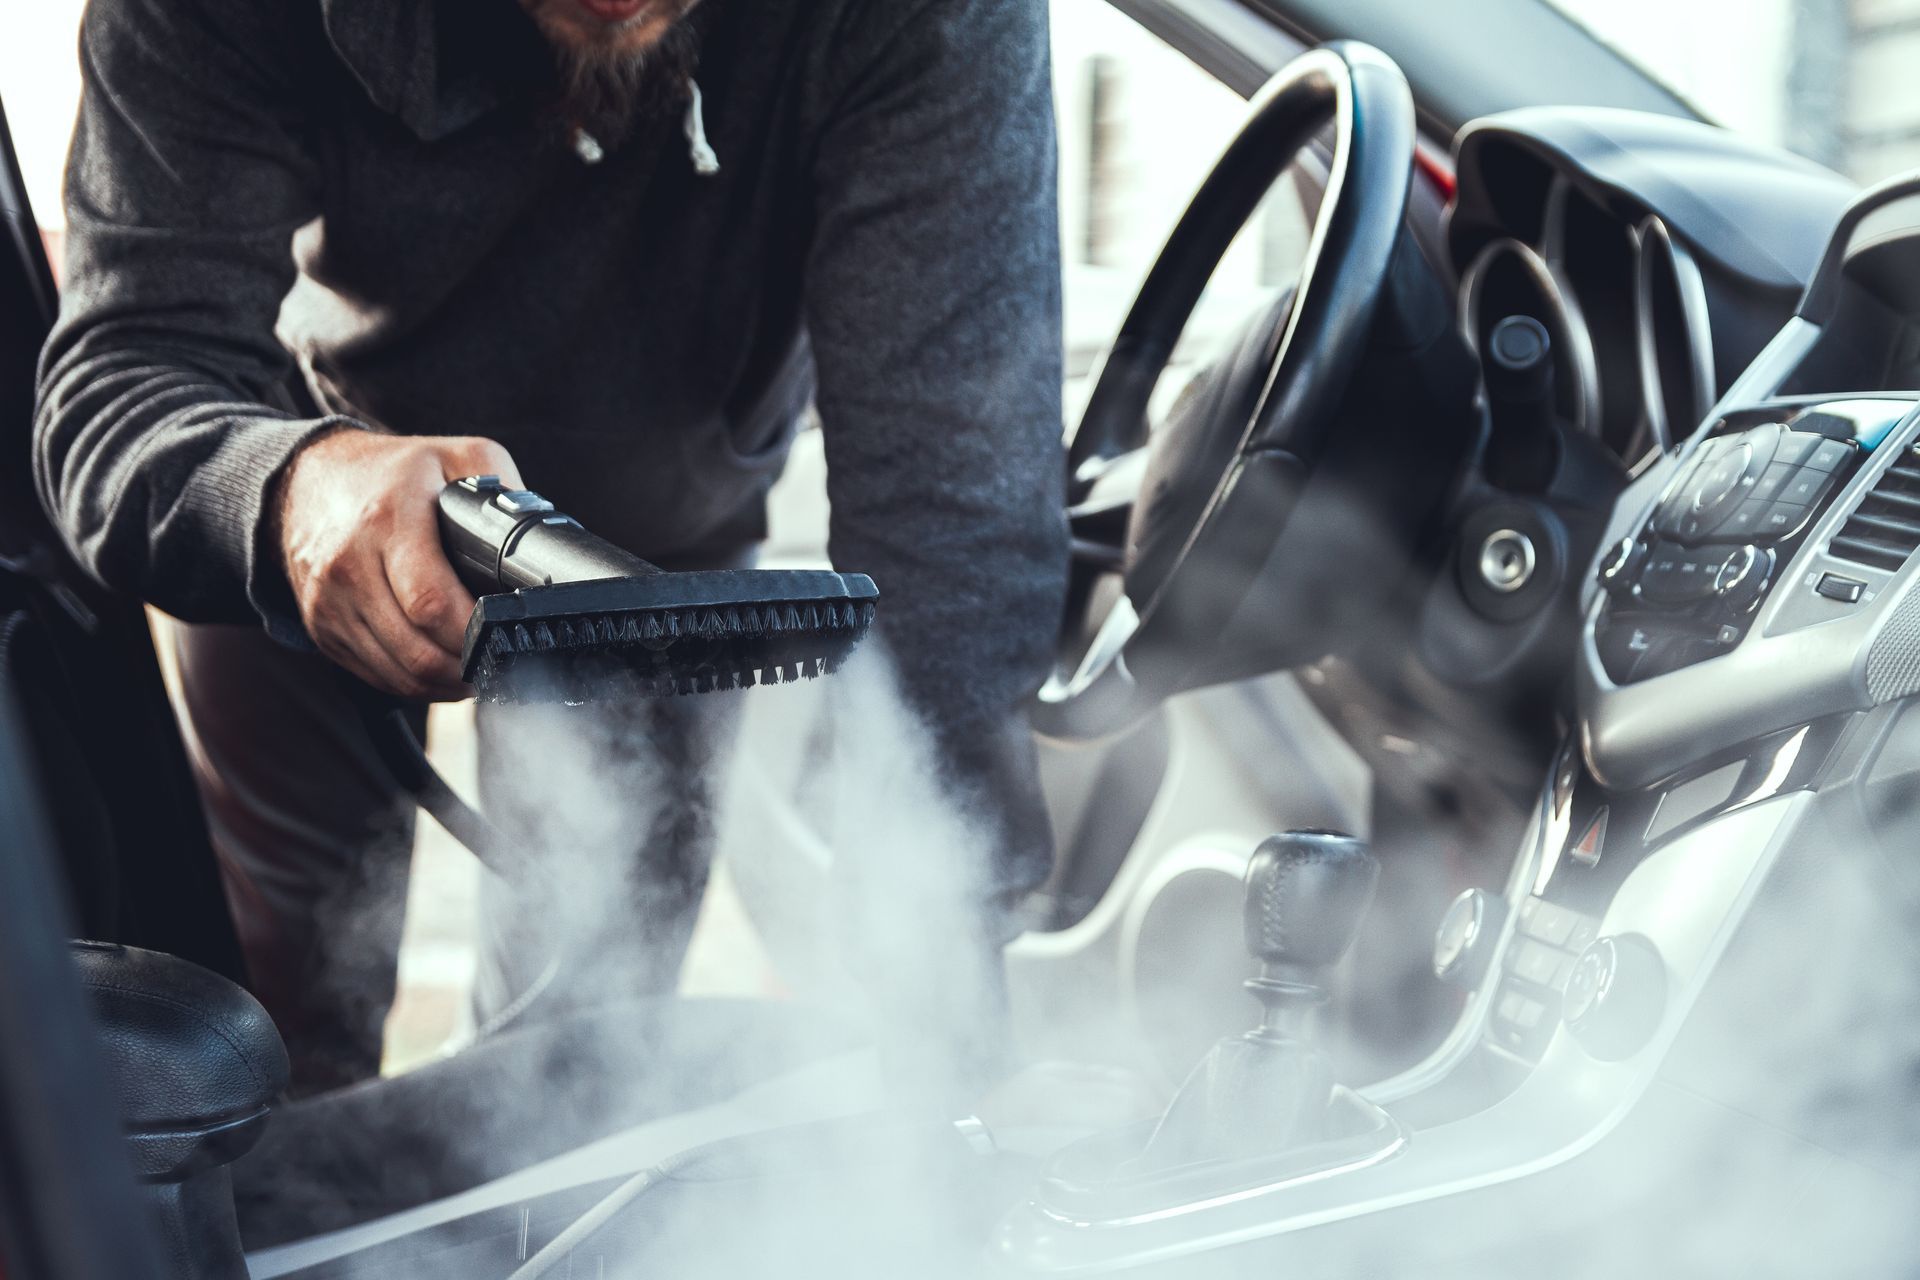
(610, 811)
(609, 814)
(1780, 1140)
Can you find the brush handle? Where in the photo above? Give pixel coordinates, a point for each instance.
(501, 539)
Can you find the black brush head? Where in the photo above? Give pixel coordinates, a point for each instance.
(665, 633)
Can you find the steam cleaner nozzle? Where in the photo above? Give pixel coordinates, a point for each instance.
(565, 616)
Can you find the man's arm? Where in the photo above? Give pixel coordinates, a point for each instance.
(934, 312)
(154, 442)
(157, 448)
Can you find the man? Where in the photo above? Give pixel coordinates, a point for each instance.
(326, 255)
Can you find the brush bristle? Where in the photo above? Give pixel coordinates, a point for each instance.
(665, 652)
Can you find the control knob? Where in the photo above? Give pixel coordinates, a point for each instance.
(1743, 578)
(1616, 996)
(1620, 569)
(1468, 933)
(1718, 480)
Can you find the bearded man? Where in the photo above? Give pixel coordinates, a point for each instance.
(324, 256)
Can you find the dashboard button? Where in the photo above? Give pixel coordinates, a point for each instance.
(1592, 844)
(1746, 520)
(1829, 456)
(1547, 921)
(1662, 565)
(1539, 964)
(1797, 446)
(1675, 575)
(1805, 487)
(1621, 569)
(1521, 1010)
(1782, 520)
(1836, 587)
(1777, 477)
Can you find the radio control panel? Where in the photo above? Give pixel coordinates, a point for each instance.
(1760, 486)
(1686, 586)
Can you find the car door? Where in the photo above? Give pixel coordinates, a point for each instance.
(99, 738)
(70, 1207)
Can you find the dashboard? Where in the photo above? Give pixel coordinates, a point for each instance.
(1644, 262)
(1702, 495)
(1726, 376)
(1764, 576)
(1754, 590)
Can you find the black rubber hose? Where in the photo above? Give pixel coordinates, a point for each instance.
(406, 759)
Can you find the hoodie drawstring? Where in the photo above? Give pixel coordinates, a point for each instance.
(705, 162)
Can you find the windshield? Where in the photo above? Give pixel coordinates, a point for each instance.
(1829, 79)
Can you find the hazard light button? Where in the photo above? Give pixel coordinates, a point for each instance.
(1586, 850)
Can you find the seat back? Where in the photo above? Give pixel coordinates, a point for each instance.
(72, 1210)
(99, 738)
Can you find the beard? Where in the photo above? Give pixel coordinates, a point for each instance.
(610, 80)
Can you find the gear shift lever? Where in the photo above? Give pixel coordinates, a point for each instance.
(1270, 1088)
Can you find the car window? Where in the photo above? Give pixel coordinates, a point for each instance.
(1830, 79)
(40, 85)
(1140, 127)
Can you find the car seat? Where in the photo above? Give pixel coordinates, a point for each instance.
(100, 738)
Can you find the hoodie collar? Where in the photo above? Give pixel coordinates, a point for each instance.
(436, 78)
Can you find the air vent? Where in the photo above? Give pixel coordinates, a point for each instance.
(1885, 529)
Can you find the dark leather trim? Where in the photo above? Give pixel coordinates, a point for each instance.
(196, 1060)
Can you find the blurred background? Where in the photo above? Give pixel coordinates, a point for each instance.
(1827, 78)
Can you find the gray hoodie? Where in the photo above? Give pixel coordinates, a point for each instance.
(284, 215)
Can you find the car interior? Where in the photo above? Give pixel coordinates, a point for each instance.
(1482, 747)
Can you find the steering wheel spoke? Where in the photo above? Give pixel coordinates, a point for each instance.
(1098, 521)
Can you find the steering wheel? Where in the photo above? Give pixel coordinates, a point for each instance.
(1202, 503)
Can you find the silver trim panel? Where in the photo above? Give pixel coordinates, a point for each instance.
(1656, 242)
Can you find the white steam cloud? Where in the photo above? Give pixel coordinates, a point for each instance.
(1781, 1140)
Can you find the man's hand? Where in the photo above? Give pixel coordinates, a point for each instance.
(360, 533)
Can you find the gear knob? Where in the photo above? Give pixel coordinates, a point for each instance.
(1306, 892)
(1271, 1089)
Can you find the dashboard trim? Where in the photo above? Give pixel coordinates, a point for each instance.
(1655, 238)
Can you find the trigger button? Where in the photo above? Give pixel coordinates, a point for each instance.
(521, 502)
